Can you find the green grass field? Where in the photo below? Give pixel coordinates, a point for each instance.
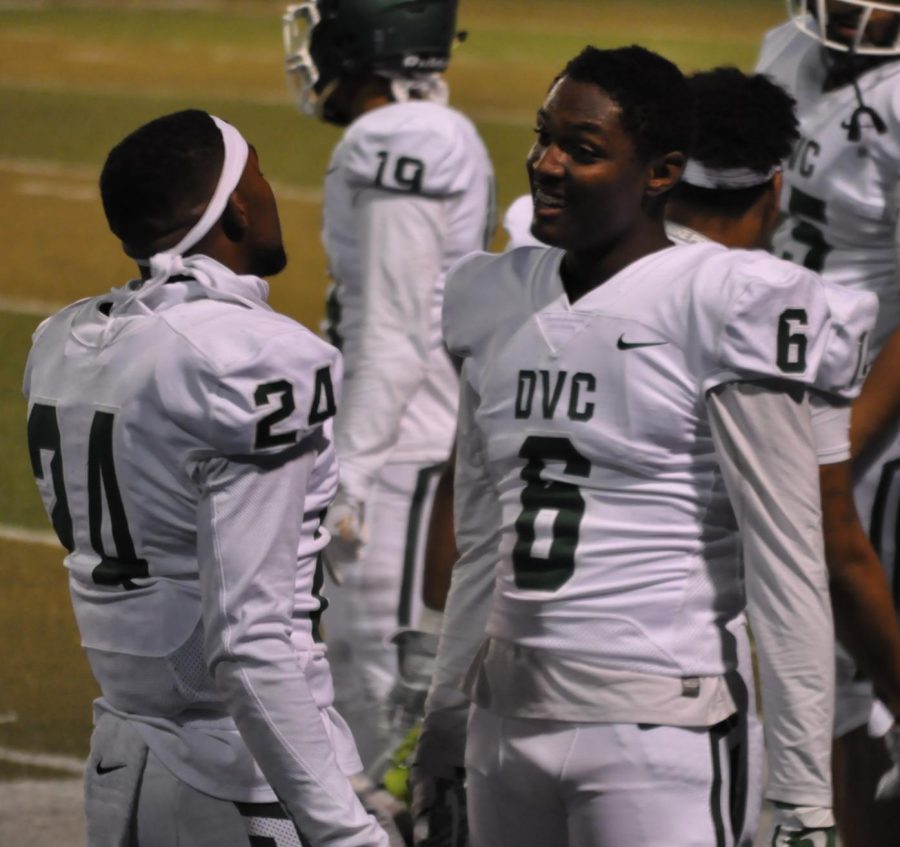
(76, 76)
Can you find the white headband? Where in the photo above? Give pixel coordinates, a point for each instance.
(167, 263)
(234, 161)
(702, 176)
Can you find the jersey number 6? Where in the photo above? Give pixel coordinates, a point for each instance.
(552, 504)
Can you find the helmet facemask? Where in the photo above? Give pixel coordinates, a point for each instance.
(297, 24)
(813, 18)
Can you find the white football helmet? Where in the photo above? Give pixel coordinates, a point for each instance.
(813, 18)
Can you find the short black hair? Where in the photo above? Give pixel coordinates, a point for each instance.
(651, 92)
(153, 177)
(740, 121)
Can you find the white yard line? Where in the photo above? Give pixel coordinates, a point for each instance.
(55, 761)
(48, 168)
(29, 536)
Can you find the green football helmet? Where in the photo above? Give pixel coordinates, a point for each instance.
(326, 40)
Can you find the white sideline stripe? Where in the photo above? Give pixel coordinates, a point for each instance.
(29, 536)
(69, 764)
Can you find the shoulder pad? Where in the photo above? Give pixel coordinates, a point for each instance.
(250, 384)
(777, 41)
(415, 148)
(775, 321)
(464, 300)
(487, 293)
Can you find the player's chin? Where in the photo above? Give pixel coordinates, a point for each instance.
(550, 229)
(268, 261)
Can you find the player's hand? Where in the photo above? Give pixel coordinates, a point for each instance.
(439, 808)
(392, 815)
(344, 522)
(889, 784)
(801, 826)
(405, 706)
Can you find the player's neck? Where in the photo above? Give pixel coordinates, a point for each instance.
(583, 271)
(843, 68)
(732, 232)
(374, 93)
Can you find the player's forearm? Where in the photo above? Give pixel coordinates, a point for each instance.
(878, 404)
(864, 614)
(440, 544)
(866, 623)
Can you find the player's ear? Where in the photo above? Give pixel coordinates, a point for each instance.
(663, 173)
(770, 210)
(235, 218)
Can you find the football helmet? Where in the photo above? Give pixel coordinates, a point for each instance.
(813, 18)
(325, 40)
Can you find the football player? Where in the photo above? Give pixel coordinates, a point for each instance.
(630, 418)
(408, 191)
(840, 62)
(180, 432)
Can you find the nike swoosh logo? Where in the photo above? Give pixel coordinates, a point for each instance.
(102, 770)
(622, 344)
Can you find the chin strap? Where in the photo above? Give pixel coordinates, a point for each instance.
(855, 126)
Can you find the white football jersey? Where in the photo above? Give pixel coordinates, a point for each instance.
(595, 433)
(183, 450)
(408, 192)
(840, 196)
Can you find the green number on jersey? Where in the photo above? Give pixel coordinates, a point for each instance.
(791, 356)
(102, 487)
(560, 501)
(808, 231)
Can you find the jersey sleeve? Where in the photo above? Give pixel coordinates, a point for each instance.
(252, 392)
(831, 428)
(476, 513)
(249, 525)
(401, 242)
(771, 321)
(844, 362)
(410, 149)
(764, 447)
